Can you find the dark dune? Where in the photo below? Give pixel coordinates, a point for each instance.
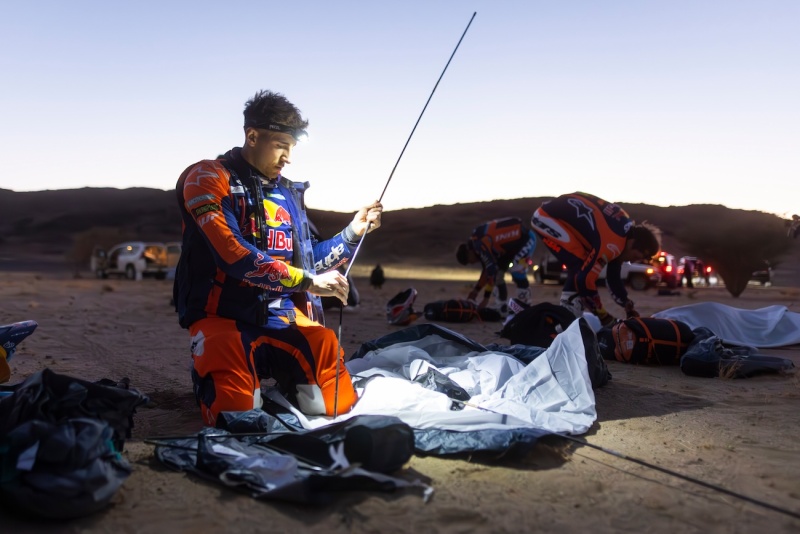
(50, 223)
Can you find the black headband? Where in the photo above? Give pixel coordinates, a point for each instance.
(297, 133)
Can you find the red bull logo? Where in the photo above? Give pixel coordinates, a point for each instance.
(276, 215)
(278, 240)
(269, 268)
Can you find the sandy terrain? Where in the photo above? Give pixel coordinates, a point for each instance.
(743, 435)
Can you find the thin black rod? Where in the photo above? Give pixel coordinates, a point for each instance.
(426, 106)
(361, 241)
(396, 163)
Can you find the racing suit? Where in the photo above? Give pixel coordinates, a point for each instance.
(501, 243)
(586, 233)
(240, 288)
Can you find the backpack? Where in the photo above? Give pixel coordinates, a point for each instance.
(537, 325)
(648, 341)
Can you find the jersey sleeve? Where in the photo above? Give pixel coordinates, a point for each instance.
(332, 253)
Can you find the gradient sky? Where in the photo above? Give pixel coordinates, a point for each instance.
(660, 102)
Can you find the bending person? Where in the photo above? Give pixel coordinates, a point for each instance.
(587, 234)
(500, 245)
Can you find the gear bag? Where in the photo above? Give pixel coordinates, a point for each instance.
(303, 466)
(646, 340)
(708, 356)
(451, 311)
(537, 325)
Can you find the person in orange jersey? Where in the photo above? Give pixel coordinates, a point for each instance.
(587, 234)
(500, 245)
(251, 274)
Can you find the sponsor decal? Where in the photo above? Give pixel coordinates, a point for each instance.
(237, 190)
(276, 215)
(552, 244)
(198, 343)
(269, 268)
(207, 218)
(505, 236)
(205, 209)
(279, 196)
(331, 259)
(279, 240)
(611, 209)
(199, 199)
(582, 211)
(550, 227)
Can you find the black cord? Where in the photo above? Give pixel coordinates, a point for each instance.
(687, 478)
(361, 241)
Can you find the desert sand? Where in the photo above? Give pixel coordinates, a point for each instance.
(740, 434)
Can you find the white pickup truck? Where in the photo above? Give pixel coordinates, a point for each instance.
(639, 276)
(133, 259)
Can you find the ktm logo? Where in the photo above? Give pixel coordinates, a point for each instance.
(505, 236)
(552, 244)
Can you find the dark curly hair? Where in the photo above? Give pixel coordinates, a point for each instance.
(270, 107)
(462, 253)
(645, 239)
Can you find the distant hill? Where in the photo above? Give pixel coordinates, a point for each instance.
(47, 222)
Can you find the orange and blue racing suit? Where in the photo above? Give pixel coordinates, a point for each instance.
(586, 233)
(240, 288)
(503, 245)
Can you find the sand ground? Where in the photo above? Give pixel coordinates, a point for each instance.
(743, 435)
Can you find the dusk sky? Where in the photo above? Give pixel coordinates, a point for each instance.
(665, 103)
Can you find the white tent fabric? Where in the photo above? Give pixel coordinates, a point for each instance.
(553, 393)
(772, 326)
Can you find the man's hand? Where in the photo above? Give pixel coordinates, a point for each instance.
(367, 218)
(630, 310)
(330, 284)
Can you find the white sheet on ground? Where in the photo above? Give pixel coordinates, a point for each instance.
(552, 393)
(772, 326)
